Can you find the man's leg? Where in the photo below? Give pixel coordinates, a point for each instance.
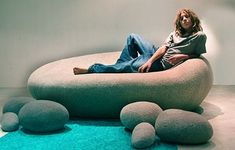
(135, 44)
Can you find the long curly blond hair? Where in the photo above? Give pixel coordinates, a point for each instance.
(194, 18)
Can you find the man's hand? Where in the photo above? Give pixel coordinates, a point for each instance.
(175, 59)
(160, 52)
(145, 67)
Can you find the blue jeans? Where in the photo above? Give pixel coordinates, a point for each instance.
(136, 52)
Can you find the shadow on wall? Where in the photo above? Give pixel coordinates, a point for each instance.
(218, 21)
(212, 45)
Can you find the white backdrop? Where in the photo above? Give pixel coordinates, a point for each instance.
(35, 32)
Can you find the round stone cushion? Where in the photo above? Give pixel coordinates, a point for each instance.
(183, 127)
(43, 116)
(14, 104)
(104, 95)
(137, 112)
(143, 135)
(10, 122)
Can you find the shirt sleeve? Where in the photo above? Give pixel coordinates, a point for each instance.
(201, 45)
(169, 40)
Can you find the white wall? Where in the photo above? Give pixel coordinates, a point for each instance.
(35, 32)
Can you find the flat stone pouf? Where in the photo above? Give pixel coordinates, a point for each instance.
(43, 116)
(104, 95)
(143, 135)
(137, 112)
(183, 127)
(10, 122)
(14, 104)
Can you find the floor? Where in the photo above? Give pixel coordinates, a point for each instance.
(218, 107)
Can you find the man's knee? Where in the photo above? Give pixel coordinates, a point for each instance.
(133, 37)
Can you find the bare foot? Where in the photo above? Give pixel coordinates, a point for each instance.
(77, 70)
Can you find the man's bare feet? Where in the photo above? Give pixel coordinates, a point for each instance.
(77, 70)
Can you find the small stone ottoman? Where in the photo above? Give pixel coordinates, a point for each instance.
(143, 135)
(14, 104)
(183, 127)
(104, 95)
(137, 112)
(9, 122)
(43, 116)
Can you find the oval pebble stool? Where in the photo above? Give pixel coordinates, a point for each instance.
(9, 122)
(43, 116)
(183, 127)
(104, 95)
(143, 135)
(137, 112)
(14, 104)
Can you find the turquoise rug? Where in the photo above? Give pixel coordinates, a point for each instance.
(77, 135)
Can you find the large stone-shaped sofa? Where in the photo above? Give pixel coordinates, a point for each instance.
(104, 95)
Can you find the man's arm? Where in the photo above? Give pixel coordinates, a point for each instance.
(175, 59)
(145, 67)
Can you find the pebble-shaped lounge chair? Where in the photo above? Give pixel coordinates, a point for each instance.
(104, 95)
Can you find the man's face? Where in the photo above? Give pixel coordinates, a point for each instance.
(185, 21)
